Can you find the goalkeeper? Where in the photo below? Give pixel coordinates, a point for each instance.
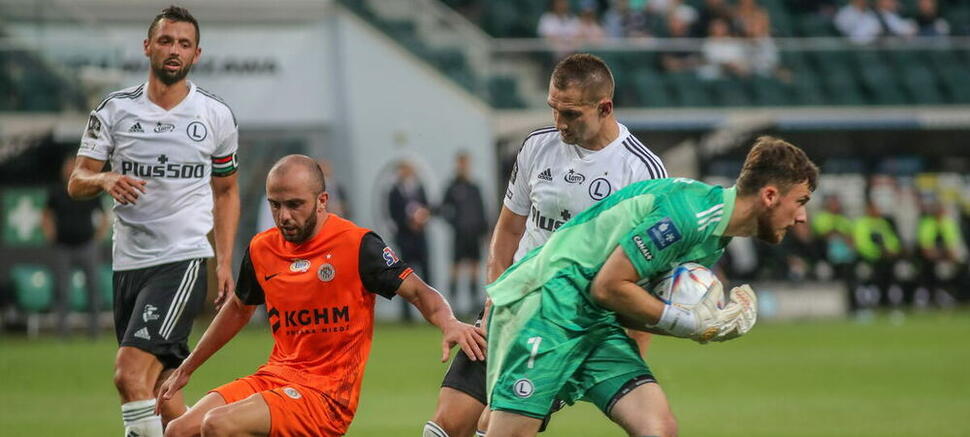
(556, 324)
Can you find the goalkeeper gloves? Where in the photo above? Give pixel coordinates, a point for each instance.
(710, 319)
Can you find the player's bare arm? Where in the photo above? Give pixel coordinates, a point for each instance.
(615, 288)
(225, 192)
(228, 322)
(505, 241)
(88, 180)
(436, 311)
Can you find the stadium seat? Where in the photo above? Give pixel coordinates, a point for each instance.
(806, 89)
(689, 91)
(503, 92)
(729, 92)
(881, 85)
(33, 287)
(107, 289)
(78, 294)
(921, 85)
(768, 91)
(651, 90)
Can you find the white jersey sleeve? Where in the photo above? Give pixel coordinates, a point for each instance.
(224, 160)
(96, 141)
(517, 196)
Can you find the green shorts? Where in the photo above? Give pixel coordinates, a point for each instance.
(533, 361)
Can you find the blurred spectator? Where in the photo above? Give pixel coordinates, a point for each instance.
(462, 207)
(938, 234)
(891, 23)
(661, 9)
(678, 60)
(70, 225)
(408, 207)
(712, 10)
(747, 12)
(928, 19)
(941, 250)
(559, 27)
(801, 253)
(821, 7)
(857, 21)
(589, 29)
(622, 21)
(762, 51)
(877, 243)
(835, 231)
(724, 55)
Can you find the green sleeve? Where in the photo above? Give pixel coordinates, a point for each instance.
(655, 245)
(863, 240)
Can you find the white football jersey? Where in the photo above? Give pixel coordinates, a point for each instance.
(176, 152)
(553, 181)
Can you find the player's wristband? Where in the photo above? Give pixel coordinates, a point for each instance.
(677, 321)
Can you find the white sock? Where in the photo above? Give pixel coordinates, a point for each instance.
(479, 433)
(140, 419)
(432, 429)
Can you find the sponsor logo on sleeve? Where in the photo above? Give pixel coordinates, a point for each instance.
(664, 233)
(94, 127)
(642, 247)
(390, 258)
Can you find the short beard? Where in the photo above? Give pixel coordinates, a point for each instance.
(766, 232)
(170, 78)
(306, 230)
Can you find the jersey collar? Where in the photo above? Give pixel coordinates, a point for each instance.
(729, 196)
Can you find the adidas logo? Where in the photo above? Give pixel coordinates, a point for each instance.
(546, 175)
(143, 333)
(136, 128)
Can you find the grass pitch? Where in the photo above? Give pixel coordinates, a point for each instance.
(835, 378)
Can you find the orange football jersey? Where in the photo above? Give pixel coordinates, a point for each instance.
(319, 297)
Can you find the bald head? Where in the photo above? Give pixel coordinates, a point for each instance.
(298, 169)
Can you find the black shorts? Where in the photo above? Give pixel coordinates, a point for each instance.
(154, 308)
(467, 376)
(466, 249)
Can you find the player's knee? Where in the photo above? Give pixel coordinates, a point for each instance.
(667, 427)
(216, 424)
(181, 427)
(131, 383)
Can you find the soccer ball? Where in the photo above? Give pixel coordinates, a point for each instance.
(685, 285)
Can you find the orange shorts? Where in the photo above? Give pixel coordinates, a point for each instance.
(294, 409)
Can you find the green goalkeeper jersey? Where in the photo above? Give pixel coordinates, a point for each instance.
(659, 224)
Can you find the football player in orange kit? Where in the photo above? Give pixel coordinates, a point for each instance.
(318, 275)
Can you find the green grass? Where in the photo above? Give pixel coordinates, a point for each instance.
(835, 378)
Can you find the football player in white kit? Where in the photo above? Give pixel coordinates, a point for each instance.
(560, 171)
(172, 150)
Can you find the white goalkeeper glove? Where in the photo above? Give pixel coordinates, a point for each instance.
(742, 298)
(706, 320)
